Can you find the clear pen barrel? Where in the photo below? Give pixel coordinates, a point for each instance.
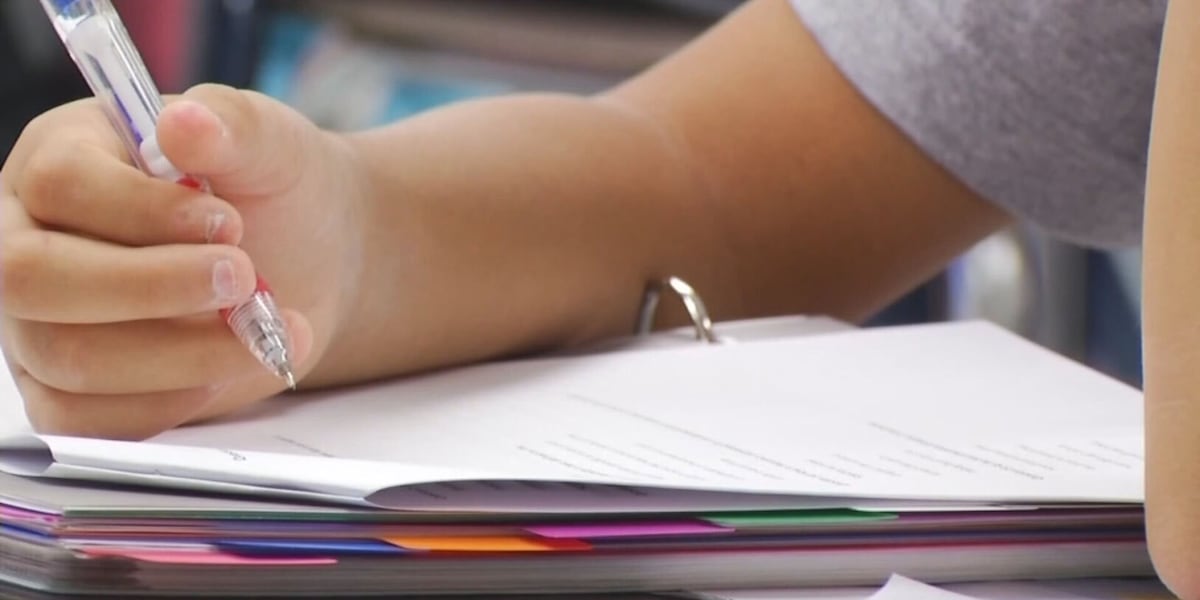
(257, 324)
(101, 47)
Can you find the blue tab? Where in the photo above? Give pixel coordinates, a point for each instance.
(308, 547)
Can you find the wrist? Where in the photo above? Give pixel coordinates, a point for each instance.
(348, 192)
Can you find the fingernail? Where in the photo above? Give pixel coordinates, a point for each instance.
(212, 226)
(201, 112)
(224, 282)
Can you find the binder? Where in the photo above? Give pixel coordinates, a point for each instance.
(702, 328)
(143, 520)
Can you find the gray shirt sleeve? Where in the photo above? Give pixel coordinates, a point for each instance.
(1042, 107)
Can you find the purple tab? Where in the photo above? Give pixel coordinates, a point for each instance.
(28, 516)
(629, 529)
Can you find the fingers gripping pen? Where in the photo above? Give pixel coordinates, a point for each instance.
(98, 43)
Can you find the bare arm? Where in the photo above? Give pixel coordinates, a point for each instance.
(746, 164)
(1172, 307)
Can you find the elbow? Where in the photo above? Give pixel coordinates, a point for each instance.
(1173, 527)
(1178, 567)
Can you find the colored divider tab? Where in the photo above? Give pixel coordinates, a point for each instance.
(795, 518)
(16, 512)
(487, 544)
(285, 547)
(212, 557)
(595, 531)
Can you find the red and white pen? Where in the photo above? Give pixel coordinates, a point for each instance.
(102, 50)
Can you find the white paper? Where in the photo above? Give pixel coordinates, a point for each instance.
(824, 593)
(899, 587)
(1069, 589)
(931, 413)
(903, 588)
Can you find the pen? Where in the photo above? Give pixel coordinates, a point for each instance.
(102, 50)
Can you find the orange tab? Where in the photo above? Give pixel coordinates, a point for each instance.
(486, 544)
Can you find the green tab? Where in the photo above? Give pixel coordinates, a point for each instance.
(795, 518)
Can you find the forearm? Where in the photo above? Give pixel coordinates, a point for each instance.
(511, 225)
(517, 224)
(1172, 305)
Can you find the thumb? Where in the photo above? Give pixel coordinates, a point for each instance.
(243, 142)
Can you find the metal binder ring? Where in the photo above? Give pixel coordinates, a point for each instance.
(691, 301)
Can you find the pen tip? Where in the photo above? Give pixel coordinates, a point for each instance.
(284, 371)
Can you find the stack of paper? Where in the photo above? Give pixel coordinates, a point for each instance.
(946, 452)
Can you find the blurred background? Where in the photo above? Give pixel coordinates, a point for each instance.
(356, 63)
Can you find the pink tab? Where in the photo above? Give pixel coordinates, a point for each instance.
(202, 557)
(20, 514)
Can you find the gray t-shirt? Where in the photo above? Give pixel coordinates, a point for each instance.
(1042, 107)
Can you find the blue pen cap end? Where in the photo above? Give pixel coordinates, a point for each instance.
(61, 7)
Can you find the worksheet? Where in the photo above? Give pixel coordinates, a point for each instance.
(962, 412)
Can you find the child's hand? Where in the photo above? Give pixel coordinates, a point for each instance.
(111, 280)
